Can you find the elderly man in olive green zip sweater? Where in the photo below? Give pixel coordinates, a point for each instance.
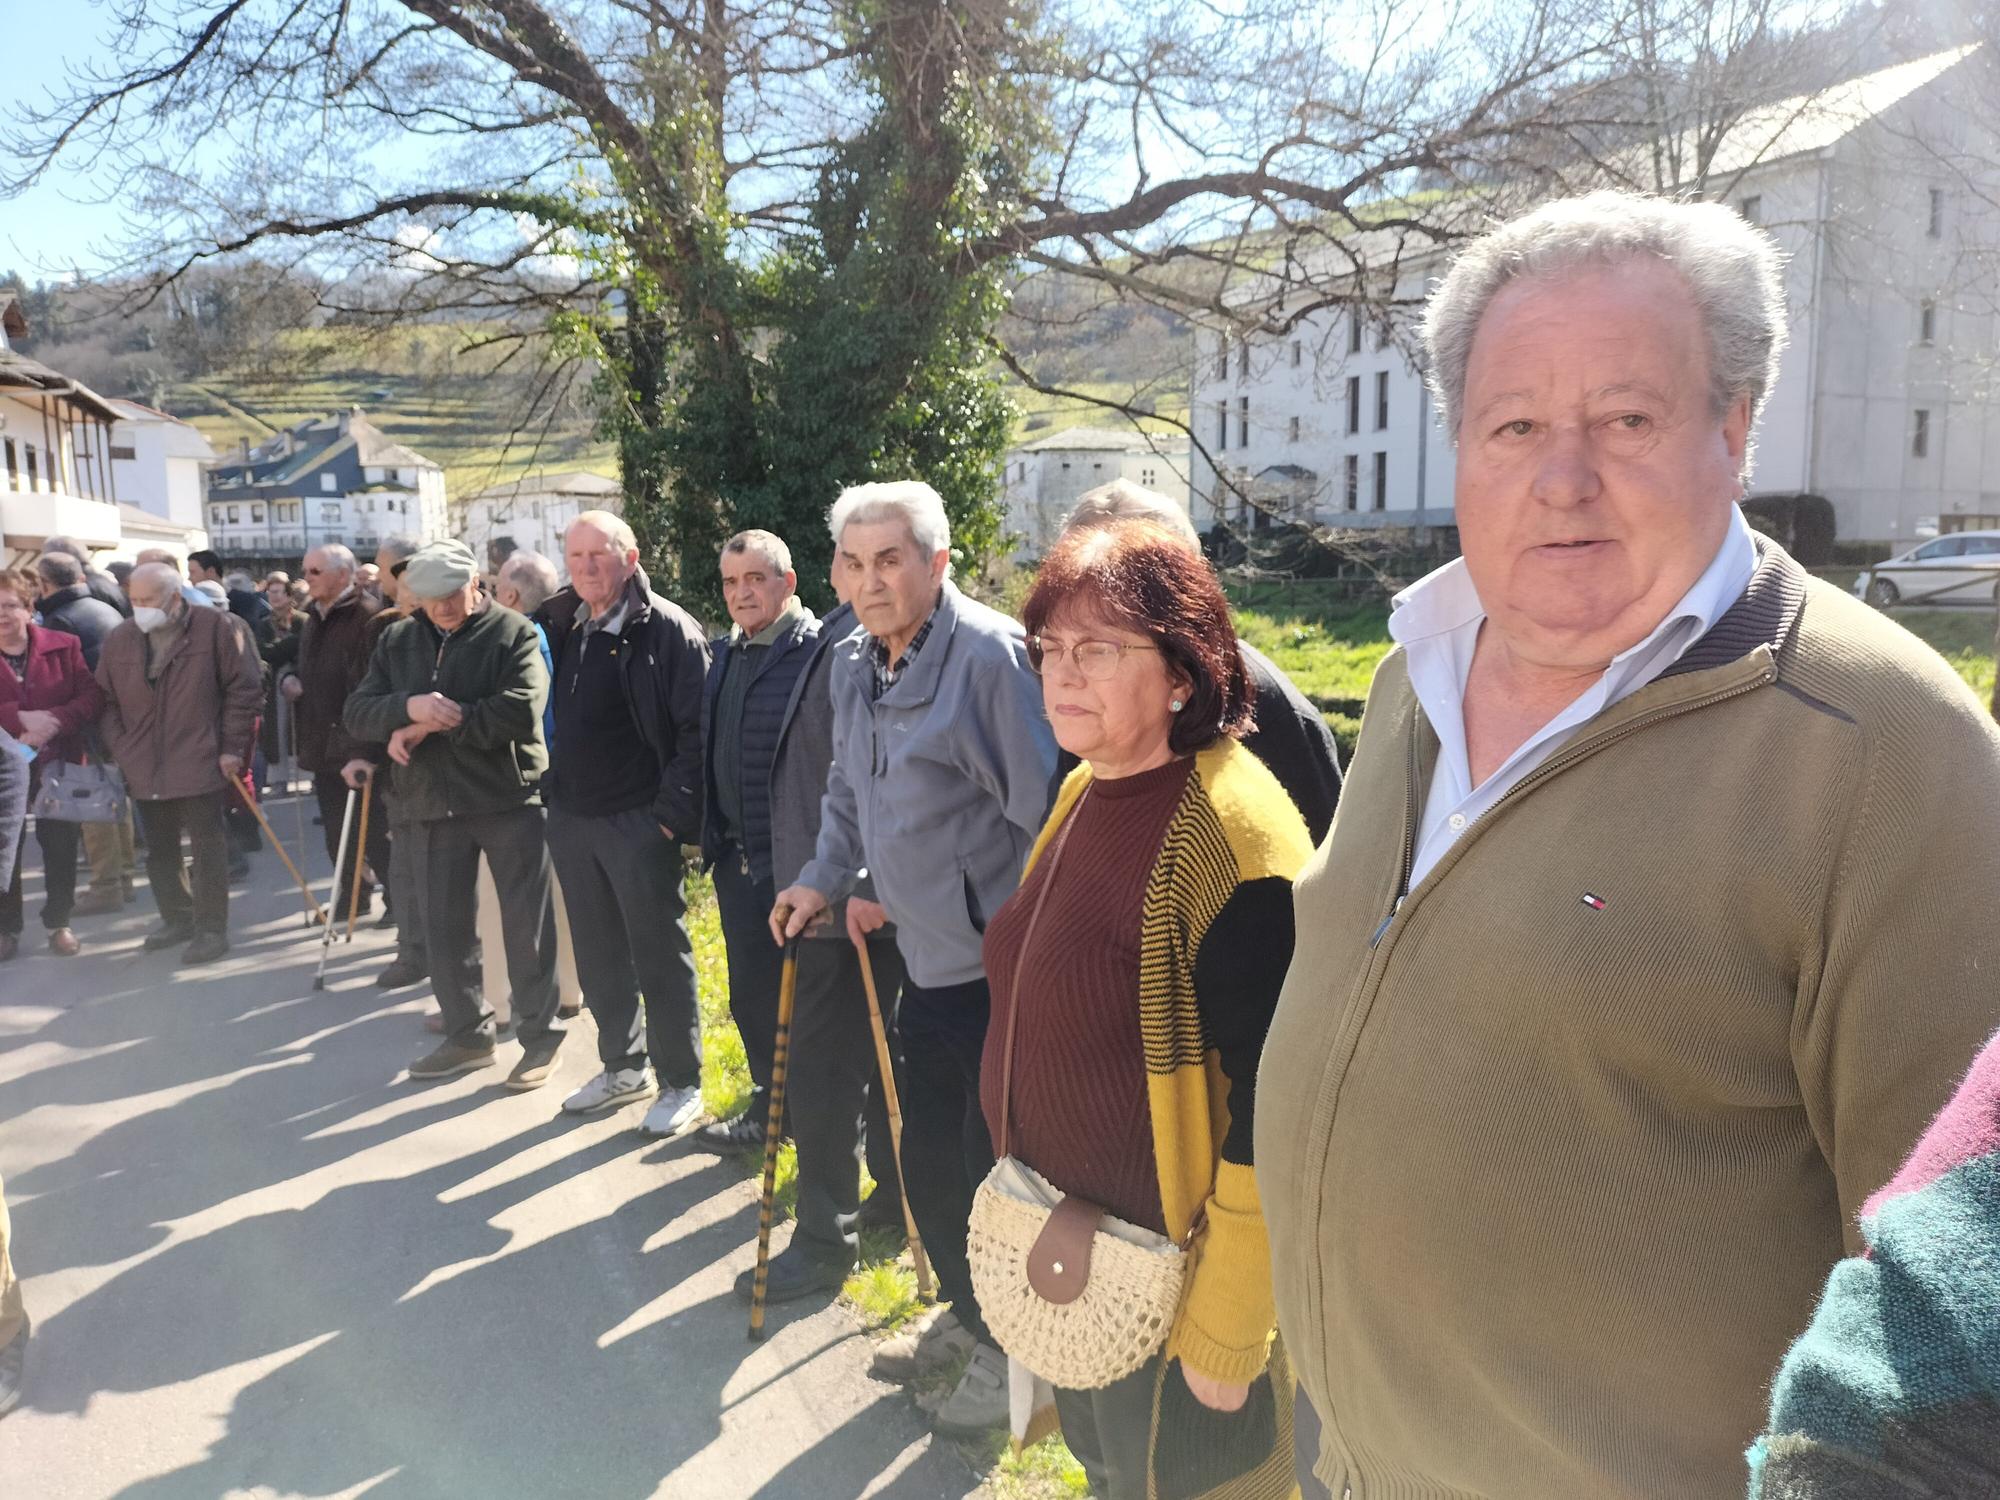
(1655, 923)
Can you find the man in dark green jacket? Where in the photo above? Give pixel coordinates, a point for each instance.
(456, 690)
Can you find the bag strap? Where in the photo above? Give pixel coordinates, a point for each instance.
(1014, 990)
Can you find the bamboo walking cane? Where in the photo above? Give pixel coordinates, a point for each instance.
(333, 892)
(312, 902)
(360, 850)
(886, 1067)
(774, 1129)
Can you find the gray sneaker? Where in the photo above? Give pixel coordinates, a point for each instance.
(13, 1365)
(538, 1060)
(980, 1402)
(924, 1344)
(448, 1058)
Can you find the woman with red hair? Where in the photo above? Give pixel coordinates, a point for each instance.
(1134, 975)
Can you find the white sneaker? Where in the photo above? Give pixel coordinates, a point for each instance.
(928, 1342)
(980, 1402)
(674, 1113)
(610, 1089)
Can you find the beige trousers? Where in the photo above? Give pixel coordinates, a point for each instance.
(569, 990)
(110, 850)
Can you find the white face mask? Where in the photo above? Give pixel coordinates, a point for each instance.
(147, 618)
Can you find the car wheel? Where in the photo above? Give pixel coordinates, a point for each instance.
(1882, 593)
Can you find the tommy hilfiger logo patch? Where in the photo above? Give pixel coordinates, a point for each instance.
(1594, 901)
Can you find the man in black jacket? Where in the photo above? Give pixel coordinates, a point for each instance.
(102, 586)
(457, 691)
(743, 711)
(625, 794)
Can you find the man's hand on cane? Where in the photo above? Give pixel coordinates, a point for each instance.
(357, 772)
(232, 766)
(864, 917)
(797, 908)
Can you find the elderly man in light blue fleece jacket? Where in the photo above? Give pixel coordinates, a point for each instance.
(941, 765)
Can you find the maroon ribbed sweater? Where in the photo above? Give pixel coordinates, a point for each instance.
(1080, 1112)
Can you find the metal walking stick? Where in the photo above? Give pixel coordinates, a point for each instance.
(312, 902)
(333, 894)
(360, 852)
(788, 988)
(288, 744)
(885, 1066)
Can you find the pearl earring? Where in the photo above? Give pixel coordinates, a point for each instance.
(1175, 706)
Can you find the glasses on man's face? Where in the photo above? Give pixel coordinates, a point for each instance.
(1097, 660)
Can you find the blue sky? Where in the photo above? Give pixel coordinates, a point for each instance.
(53, 226)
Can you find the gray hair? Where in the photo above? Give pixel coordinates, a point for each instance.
(1732, 269)
(236, 578)
(59, 570)
(160, 557)
(396, 548)
(533, 576)
(339, 557)
(69, 546)
(160, 576)
(765, 544)
(613, 527)
(1122, 500)
(910, 501)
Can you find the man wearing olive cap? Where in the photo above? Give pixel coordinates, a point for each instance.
(456, 690)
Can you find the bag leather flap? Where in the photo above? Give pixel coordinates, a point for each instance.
(1059, 1262)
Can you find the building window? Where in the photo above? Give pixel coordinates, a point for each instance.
(1353, 491)
(126, 454)
(1381, 399)
(1381, 481)
(328, 483)
(1222, 426)
(1935, 228)
(1752, 208)
(1354, 332)
(1292, 433)
(1927, 322)
(1353, 403)
(1222, 357)
(256, 515)
(1242, 421)
(1920, 435)
(1382, 331)
(1298, 353)
(329, 515)
(13, 465)
(1243, 359)
(234, 513)
(1146, 478)
(34, 479)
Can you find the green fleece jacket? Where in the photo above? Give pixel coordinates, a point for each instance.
(491, 666)
(1556, 1153)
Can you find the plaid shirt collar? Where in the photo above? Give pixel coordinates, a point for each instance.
(887, 673)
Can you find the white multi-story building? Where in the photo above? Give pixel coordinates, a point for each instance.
(1041, 480)
(534, 511)
(157, 462)
(336, 478)
(55, 465)
(1885, 193)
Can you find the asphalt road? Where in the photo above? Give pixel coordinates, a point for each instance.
(261, 1262)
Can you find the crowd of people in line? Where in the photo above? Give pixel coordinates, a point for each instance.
(1495, 1136)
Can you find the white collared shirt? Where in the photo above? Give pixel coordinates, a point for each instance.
(1436, 621)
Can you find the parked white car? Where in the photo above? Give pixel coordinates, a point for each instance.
(1962, 569)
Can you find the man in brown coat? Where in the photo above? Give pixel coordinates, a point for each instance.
(333, 656)
(181, 692)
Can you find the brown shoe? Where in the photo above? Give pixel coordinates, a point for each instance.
(63, 943)
(448, 1058)
(538, 1061)
(101, 902)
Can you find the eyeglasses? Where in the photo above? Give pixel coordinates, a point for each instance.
(1097, 660)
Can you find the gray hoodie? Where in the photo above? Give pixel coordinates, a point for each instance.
(939, 787)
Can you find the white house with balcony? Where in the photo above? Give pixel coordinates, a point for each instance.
(336, 478)
(157, 463)
(1883, 190)
(534, 511)
(55, 462)
(1041, 480)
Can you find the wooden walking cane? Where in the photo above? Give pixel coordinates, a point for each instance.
(886, 1067)
(788, 989)
(333, 891)
(360, 852)
(312, 902)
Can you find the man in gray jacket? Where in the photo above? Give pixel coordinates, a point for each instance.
(940, 781)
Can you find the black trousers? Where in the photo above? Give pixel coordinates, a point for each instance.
(833, 1073)
(447, 851)
(406, 888)
(946, 1150)
(621, 881)
(756, 964)
(58, 842)
(1110, 1430)
(330, 792)
(204, 904)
